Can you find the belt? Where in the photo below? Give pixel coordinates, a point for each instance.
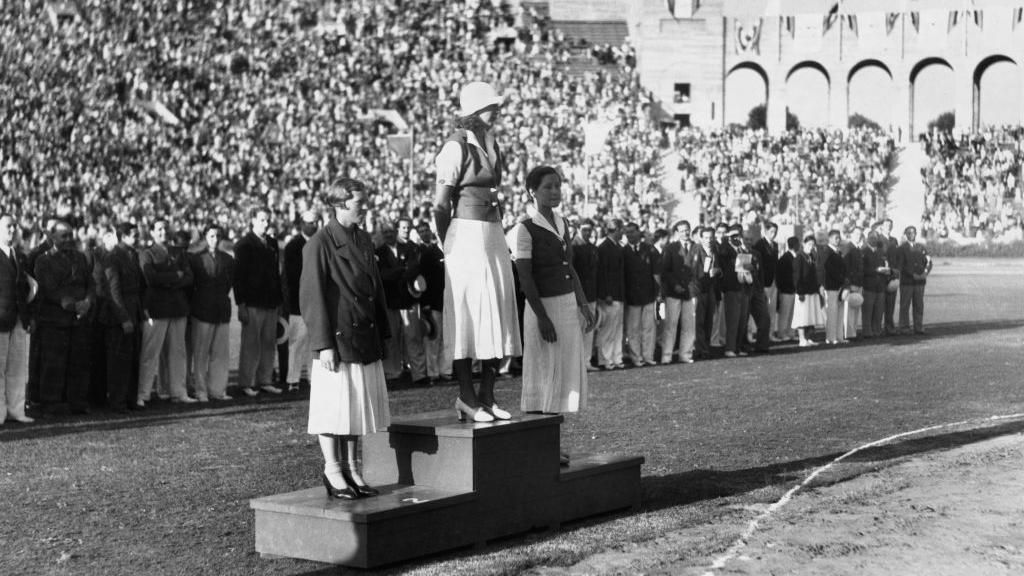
(476, 203)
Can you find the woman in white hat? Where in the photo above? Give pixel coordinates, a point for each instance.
(480, 316)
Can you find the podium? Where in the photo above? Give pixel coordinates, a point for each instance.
(445, 485)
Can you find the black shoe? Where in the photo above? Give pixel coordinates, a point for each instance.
(346, 493)
(424, 382)
(362, 490)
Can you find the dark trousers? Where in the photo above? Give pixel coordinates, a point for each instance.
(911, 296)
(704, 322)
(64, 364)
(890, 310)
(122, 364)
(762, 319)
(737, 310)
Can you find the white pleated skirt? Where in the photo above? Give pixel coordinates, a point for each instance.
(554, 373)
(480, 316)
(808, 312)
(353, 401)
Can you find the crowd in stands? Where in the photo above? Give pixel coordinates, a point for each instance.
(974, 185)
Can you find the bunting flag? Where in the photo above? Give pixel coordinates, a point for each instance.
(1018, 16)
(915, 21)
(748, 36)
(830, 18)
(890, 21)
(401, 144)
(955, 15)
(789, 24)
(671, 5)
(851, 21)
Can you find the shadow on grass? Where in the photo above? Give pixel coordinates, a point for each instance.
(661, 492)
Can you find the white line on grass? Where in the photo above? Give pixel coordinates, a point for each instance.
(752, 527)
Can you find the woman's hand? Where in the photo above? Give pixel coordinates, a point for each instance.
(327, 359)
(590, 322)
(547, 329)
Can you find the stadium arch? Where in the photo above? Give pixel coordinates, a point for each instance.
(983, 71)
(878, 108)
(814, 108)
(736, 105)
(931, 64)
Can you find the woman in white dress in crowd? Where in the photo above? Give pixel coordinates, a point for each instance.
(480, 317)
(809, 309)
(342, 301)
(556, 315)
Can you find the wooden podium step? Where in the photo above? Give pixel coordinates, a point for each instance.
(445, 485)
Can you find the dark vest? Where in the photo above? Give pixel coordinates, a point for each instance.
(475, 195)
(550, 261)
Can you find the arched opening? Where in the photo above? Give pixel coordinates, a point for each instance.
(746, 86)
(997, 93)
(807, 94)
(871, 93)
(932, 93)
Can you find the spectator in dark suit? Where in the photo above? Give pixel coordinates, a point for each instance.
(165, 309)
(768, 250)
(706, 272)
(65, 315)
(213, 272)
(915, 266)
(34, 345)
(399, 261)
(876, 278)
(432, 302)
(786, 278)
(121, 316)
(299, 355)
(258, 296)
(737, 280)
(14, 325)
(892, 252)
(611, 292)
(677, 283)
(835, 281)
(854, 259)
(642, 269)
(585, 262)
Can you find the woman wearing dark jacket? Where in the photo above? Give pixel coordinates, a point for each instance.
(342, 301)
(808, 312)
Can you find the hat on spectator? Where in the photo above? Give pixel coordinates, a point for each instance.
(734, 230)
(477, 96)
(418, 286)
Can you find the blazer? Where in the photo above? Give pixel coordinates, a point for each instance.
(639, 267)
(703, 280)
(167, 279)
(397, 271)
(585, 262)
(677, 272)
(65, 278)
(874, 258)
(213, 275)
(432, 268)
(855, 266)
(806, 274)
(730, 281)
(913, 259)
(257, 272)
(610, 278)
(786, 273)
(124, 286)
(292, 272)
(341, 295)
(13, 290)
(769, 253)
(835, 270)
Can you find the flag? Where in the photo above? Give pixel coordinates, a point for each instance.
(890, 21)
(671, 5)
(1018, 15)
(851, 21)
(915, 21)
(392, 117)
(790, 25)
(401, 144)
(595, 134)
(830, 18)
(748, 36)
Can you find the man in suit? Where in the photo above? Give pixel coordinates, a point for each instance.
(585, 262)
(399, 262)
(299, 354)
(737, 278)
(14, 325)
(706, 272)
(834, 282)
(121, 316)
(432, 302)
(677, 289)
(611, 292)
(892, 252)
(213, 272)
(786, 277)
(915, 266)
(257, 289)
(854, 259)
(67, 297)
(165, 310)
(642, 270)
(768, 250)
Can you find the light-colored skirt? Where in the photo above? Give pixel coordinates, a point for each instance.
(480, 316)
(554, 373)
(352, 401)
(808, 312)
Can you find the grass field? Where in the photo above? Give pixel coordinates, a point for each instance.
(166, 492)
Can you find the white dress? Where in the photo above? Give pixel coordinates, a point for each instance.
(554, 373)
(353, 401)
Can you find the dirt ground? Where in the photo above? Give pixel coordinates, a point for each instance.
(950, 512)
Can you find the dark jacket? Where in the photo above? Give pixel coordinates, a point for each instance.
(341, 295)
(704, 281)
(13, 290)
(854, 259)
(835, 270)
(167, 279)
(123, 283)
(769, 257)
(292, 272)
(397, 271)
(913, 259)
(806, 273)
(873, 280)
(585, 262)
(432, 269)
(639, 267)
(786, 275)
(610, 279)
(729, 281)
(550, 260)
(213, 276)
(65, 278)
(257, 272)
(677, 272)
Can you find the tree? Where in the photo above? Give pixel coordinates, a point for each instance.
(861, 121)
(757, 118)
(792, 122)
(945, 122)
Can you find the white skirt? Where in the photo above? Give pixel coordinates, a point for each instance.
(554, 373)
(353, 401)
(808, 312)
(481, 320)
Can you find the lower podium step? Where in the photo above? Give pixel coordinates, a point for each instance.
(403, 522)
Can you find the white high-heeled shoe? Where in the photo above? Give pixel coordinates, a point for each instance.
(498, 413)
(463, 410)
